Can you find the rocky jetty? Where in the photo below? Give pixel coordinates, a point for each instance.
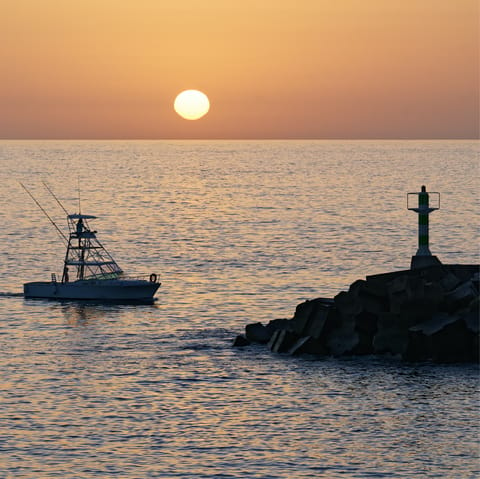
(429, 313)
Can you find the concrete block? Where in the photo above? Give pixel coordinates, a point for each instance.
(356, 287)
(449, 282)
(284, 341)
(417, 294)
(375, 286)
(453, 343)
(310, 315)
(392, 342)
(317, 321)
(300, 318)
(416, 288)
(366, 323)
(372, 303)
(385, 278)
(461, 296)
(398, 293)
(241, 341)
(398, 302)
(347, 304)
(257, 333)
(397, 285)
(434, 273)
(364, 344)
(472, 321)
(343, 341)
(418, 347)
(273, 339)
(281, 323)
(464, 272)
(433, 293)
(307, 345)
(435, 324)
(392, 334)
(444, 338)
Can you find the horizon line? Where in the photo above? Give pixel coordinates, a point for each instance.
(244, 139)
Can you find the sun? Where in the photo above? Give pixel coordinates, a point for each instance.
(191, 104)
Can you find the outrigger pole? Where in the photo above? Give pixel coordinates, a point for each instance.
(78, 185)
(56, 199)
(45, 213)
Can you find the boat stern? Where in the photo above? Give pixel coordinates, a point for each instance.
(40, 289)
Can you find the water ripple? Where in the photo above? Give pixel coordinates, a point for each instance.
(241, 232)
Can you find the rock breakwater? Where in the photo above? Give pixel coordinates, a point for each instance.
(422, 314)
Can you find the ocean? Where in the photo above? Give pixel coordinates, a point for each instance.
(239, 232)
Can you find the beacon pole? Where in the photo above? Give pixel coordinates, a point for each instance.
(423, 257)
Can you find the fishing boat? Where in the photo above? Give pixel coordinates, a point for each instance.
(89, 271)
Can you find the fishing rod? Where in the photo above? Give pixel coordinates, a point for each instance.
(78, 187)
(60, 232)
(56, 199)
(70, 221)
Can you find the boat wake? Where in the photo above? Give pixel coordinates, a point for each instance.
(10, 295)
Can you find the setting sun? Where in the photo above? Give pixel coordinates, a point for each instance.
(191, 104)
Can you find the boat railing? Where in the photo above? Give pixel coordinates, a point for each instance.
(153, 277)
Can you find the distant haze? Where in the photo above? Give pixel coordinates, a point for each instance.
(271, 68)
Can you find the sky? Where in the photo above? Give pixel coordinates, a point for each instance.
(286, 69)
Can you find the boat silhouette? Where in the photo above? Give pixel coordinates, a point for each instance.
(89, 271)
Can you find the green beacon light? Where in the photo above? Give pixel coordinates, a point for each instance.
(423, 256)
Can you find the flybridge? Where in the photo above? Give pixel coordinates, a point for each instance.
(85, 252)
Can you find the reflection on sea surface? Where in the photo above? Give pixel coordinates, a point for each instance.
(78, 313)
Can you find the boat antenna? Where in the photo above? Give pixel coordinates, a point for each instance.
(45, 213)
(56, 199)
(78, 185)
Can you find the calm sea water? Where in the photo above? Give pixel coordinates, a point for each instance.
(239, 232)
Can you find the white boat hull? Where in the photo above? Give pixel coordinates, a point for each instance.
(97, 290)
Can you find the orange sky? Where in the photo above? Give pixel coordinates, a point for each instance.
(271, 68)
